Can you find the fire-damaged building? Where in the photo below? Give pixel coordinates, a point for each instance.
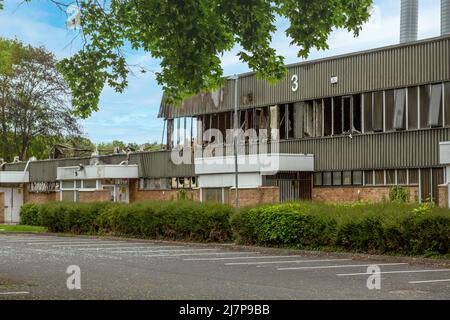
(343, 128)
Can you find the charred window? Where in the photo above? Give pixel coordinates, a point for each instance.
(377, 111)
(413, 116)
(389, 109)
(424, 93)
(368, 112)
(337, 116)
(357, 114)
(327, 117)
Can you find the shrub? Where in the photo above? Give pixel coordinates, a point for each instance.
(29, 215)
(398, 193)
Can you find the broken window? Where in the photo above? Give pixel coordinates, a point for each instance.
(368, 112)
(274, 123)
(447, 103)
(399, 113)
(308, 119)
(317, 120)
(402, 177)
(390, 177)
(435, 114)
(290, 122)
(327, 117)
(437, 179)
(357, 177)
(377, 111)
(337, 115)
(298, 119)
(413, 176)
(424, 92)
(346, 114)
(368, 177)
(357, 114)
(389, 109)
(412, 108)
(379, 177)
(425, 185)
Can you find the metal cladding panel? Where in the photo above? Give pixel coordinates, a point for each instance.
(403, 149)
(158, 164)
(413, 63)
(45, 171)
(20, 166)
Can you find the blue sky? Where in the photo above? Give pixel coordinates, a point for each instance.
(132, 116)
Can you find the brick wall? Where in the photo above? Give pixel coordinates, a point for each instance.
(443, 196)
(41, 197)
(2, 207)
(255, 196)
(366, 193)
(95, 196)
(159, 195)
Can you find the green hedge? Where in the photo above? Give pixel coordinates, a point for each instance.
(360, 227)
(173, 220)
(390, 227)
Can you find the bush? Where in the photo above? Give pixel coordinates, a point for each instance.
(359, 227)
(29, 215)
(399, 193)
(170, 220)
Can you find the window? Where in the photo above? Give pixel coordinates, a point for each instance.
(399, 113)
(435, 114)
(70, 196)
(337, 178)
(401, 177)
(89, 184)
(337, 116)
(326, 179)
(413, 176)
(78, 184)
(447, 103)
(368, 177)
(389, 108)
(377, 111)
(412, 108)
(368, 112)
(438, 178)
(347, 178)
(67, 185)
(346, 114)
(308, 119)
(424, 92)
(357, 113)
(390, 177)
(317, 118)
(327, 119)
(425, 184)
(318, 179)
(379, 177)
(357, 177)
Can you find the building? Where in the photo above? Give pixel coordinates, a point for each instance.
(343, 128)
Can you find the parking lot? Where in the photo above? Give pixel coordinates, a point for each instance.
(34, 267)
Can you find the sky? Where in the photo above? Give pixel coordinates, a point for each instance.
(132, 115)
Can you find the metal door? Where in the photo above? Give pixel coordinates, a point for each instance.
(13, 203)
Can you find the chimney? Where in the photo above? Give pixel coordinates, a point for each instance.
(409, 13)
(445, 17)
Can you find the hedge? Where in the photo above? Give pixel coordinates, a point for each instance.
(171, 220)
(389, 227)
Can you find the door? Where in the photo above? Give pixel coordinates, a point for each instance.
(13, 203)
(122, 194)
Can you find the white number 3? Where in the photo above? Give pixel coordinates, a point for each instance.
(294, 80)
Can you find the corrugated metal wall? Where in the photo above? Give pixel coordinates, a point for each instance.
(405, 149)
(409, 64)
(20, 166)
(45, 171)
(158, 164)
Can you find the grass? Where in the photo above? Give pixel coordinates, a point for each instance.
(21, 228)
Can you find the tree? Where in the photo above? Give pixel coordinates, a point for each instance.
(34, 100)
(189, 37)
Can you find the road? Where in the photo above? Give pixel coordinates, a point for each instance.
(34, 267)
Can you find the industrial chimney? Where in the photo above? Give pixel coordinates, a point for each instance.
(409, 13)
(445, 17)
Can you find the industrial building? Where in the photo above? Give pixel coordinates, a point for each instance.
(343, 128)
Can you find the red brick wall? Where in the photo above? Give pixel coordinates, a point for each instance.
(366, 193)
(95, 196)
(159, 195)
(2, 207)
(255, 196)
(41, 197)
(443, 196)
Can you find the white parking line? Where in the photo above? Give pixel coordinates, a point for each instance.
(392, 272)
(194, 254)
(429, 281)
(164, 251)
(120, 248)
(55, 243)
(285, 261)
(343, 266)
(11, 293)
(253, 257)
(90, 244)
